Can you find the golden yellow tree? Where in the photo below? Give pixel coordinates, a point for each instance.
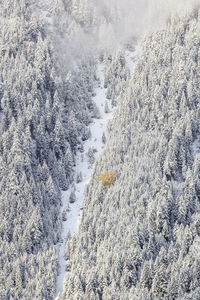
(107, 178)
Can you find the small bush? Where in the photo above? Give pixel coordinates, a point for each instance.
(107, 178)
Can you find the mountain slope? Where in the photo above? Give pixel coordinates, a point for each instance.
(139, 239)
(44, 120)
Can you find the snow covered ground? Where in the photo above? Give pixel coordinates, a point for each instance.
(1, 115)
(97, 128)
(196, 146)
(132, 56)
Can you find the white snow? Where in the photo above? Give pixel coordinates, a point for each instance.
(73, 216)
(132, 56)
(1, 115)
(97, 128)
(196, 147)
(42, 10)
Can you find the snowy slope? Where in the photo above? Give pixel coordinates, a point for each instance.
(98, 127)
(132, 56)
(1, 115)
(196, 146)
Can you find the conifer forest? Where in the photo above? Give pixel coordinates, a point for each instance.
(99, 150)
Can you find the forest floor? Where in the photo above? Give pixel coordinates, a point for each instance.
(97, 128)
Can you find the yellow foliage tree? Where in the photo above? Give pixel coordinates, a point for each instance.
(107, 178)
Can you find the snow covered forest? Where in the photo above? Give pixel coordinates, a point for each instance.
(89, 87)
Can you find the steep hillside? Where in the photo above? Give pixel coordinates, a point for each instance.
(140, 238)
(44, 121)
(46, 105)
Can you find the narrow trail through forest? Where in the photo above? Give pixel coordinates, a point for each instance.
(83, 165)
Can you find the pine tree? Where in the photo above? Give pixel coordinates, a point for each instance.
(72, 197)
(103, 138)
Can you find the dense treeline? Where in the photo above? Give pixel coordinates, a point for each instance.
(139, 239)
(44, 121)
(30, 197)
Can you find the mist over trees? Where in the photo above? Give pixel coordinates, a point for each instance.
(103, 26)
